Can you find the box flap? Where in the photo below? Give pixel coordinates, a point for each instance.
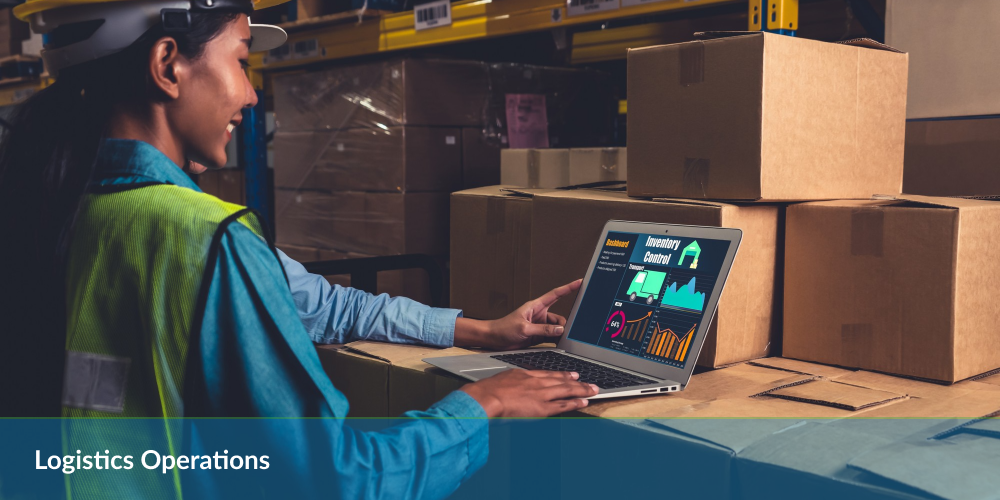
(985, 427)
(835, 394)
(712, 35)
(685, 201)
(956, 467)
(521, 192)
(796, 366)
(734, 435)
(868, 43)
(991, 377)
(402, 354)
(736, 381)
(945, 202)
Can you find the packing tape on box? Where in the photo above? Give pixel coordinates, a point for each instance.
(609, 164)
(696, 177)
(867, 231)
(534, 163)
(856, 344)
(692, 63)
(496, 209)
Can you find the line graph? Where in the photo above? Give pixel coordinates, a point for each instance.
(636, 328)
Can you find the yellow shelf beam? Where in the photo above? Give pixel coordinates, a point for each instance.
(15, 93)
(471, 20)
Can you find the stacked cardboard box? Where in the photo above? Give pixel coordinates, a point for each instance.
(902, 286)
(758, 116)
(952, 144)
(555, 168)
(491, 250)
(12, 32)
(366, 156)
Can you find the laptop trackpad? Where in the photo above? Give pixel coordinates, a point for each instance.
(481, 373)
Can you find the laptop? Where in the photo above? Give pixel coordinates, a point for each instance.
(640, 319)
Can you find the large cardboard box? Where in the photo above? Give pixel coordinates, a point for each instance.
(953, 158)
(759, 116)
(565, 226)
(951, 71)
(383, 94)
(589, 165)
(535, 168)
(387, 380)
(397, 159)
(903, 286)
(490, 250)
(360, 222)
(12, 32)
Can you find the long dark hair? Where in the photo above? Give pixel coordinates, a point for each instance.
(47, 159)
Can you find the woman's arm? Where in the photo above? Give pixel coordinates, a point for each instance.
(333, 314)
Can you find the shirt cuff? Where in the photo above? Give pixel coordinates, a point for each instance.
(439, 327)
(474, 421)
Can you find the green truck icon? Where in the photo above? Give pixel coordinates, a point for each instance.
(646, 284)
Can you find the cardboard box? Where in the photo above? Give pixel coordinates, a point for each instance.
(226, 184)
(901, 286)
(759, 116)
(12, 32)
(384, 94)
(367, 223)
(950, 72)
(589, 165)
(782, 387)
(490, 250)
(480, 159)
(410, 283)
(746, 324)
(940, 462)
(397, 159)
(535, 168)
(953, 158)
(387, 380)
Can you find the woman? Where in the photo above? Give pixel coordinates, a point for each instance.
(131, 293)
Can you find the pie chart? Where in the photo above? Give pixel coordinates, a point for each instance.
(616, 323)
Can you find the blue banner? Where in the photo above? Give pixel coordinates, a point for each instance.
(550, 458)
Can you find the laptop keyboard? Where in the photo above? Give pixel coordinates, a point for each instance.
(591, 373)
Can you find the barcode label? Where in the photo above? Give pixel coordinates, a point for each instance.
(282, 53)
(633, 3)
(305, 48)
(580, 7)
(432, 15)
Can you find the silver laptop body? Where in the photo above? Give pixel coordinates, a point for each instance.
(665, 361)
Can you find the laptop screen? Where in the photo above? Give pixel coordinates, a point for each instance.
(647, 295)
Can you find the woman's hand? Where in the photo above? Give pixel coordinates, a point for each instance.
(523, 393)
(530, 324)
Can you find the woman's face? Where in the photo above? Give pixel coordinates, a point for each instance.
(211, 98)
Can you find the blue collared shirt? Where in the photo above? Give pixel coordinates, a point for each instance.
(257, 357)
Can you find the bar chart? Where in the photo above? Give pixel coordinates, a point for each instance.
(666, 343)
